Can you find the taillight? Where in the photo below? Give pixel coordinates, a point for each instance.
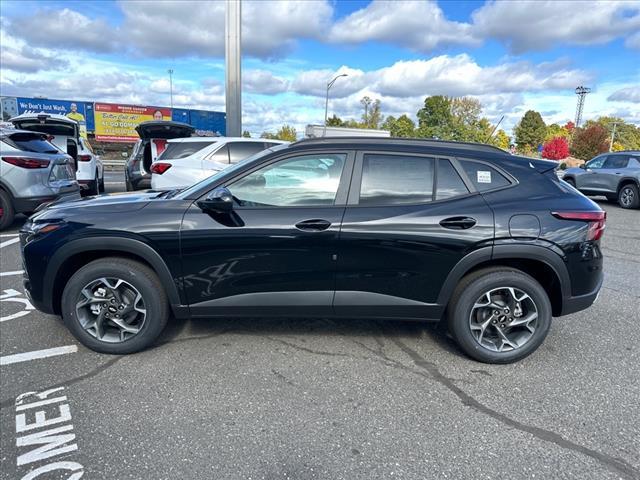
(84, 158)
(596, 221)
(160, 167)
(25, 162)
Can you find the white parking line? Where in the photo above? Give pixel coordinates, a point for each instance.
(7, 274)
(6, 243)
(37, 354)
(3, 235)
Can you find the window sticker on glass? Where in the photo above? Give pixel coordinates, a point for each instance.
(484, 176)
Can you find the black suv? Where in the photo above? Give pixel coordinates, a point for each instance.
(352, 227)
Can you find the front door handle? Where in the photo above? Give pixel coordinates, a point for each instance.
(458, 223)
(313, 225)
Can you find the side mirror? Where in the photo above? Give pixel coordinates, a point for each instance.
(583, 166)
(219, 200)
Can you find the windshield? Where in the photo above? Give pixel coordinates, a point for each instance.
(237, 166)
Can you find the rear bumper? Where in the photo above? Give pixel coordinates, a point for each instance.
(580, 302)
(30, 204)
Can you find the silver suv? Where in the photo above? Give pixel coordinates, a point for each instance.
(616, 175)
(32, 171)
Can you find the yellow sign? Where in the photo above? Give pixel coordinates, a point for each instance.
(117, 123)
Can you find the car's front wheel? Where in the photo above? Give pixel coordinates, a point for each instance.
(6, 210)
(499, 315)
(115, 305)
(628, 196)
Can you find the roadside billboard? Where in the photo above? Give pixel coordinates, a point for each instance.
(73, 110)
(117, 123)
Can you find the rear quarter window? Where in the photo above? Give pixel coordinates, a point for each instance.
(28, 142)
(182, 149)
(483, 176)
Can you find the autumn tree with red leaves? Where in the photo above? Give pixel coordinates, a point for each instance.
(589, 142)
(556, 149)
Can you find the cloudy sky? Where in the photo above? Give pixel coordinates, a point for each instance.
(511, 55)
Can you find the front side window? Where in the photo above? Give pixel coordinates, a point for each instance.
(396, 180)
(307, 180)
(483, 176)
(596, 162)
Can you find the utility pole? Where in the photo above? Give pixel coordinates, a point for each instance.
(326, 101)
(233, 59)
(170, 72)
(582, 93)
(613, 134)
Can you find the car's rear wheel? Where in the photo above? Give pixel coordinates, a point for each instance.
(499, 315)
(7, 212)
(628, 196)
(101, 184)
(115, 305)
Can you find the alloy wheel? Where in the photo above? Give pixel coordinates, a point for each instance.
(111, 310)
(503, 319)
(627, 196)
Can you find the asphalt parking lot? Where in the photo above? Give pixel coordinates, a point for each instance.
(325, 399)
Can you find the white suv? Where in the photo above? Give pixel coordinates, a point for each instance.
(64, 133)
(188, 160)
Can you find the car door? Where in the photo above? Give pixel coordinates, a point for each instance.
(410, 218)
(589, 180)
(612, 170)
(274, 254)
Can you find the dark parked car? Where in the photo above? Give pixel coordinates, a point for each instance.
(153, 140)
(376, 228)
(615, 175)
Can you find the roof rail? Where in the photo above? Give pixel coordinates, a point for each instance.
(427, 142)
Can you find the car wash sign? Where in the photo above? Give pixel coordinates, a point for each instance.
(73, 110)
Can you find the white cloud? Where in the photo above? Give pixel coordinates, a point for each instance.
(187, 28)
(420, 25)
(633, 41)
(264, 82)
(64, 29)
(628, 94)
(539, 25)
(29, 60)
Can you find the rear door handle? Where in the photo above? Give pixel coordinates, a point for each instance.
(313, 225)
(458, 223)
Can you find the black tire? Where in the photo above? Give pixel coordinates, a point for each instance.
(628, 196)
(471, 288)
(137, 275)
(101, 184)
(7, 213)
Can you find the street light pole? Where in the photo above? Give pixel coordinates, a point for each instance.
(326, 102)
(233, 59)
(170, 71)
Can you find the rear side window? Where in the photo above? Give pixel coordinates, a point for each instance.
(616, 161)
(221, 155)
(634, 162)
(449, 182)
(241, 150)
(182, 149)
(396, 180)
(483, 176)
(28, 142)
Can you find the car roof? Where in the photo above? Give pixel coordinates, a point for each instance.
(372, 142)
(224, 140)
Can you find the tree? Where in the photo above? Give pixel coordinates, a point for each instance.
(501, 140)
(246, 134)
(589, 141)
(556, 149)
(335, 121)
(554, 130)
(435, 118)
(402, 126)
(287, 133)
(530, 132)
(570, 126)
(626, 134)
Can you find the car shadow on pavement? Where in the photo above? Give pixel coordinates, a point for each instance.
(178, 330)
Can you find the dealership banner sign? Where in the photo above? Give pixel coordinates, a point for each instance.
(73, 110)
(117, 123)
